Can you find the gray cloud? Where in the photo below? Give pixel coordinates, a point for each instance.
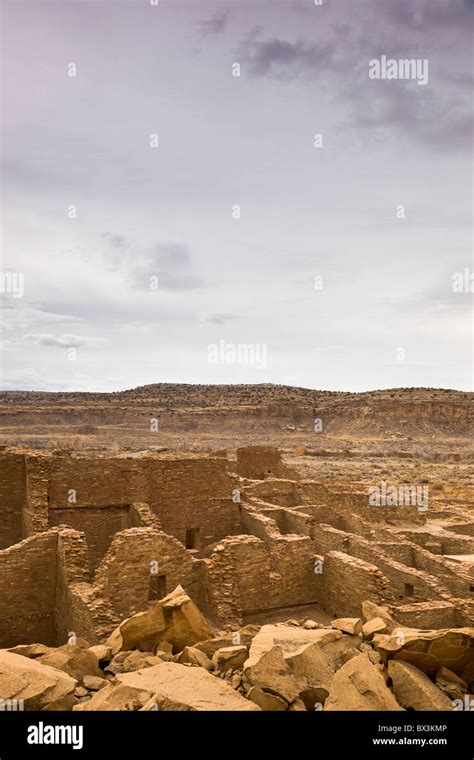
(60, 341)
(215, 24)
(170, 262)
(221, 319)
(286, 59)
(429, 15)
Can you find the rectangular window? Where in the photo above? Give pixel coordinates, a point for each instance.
(157, 587)
(192, 538)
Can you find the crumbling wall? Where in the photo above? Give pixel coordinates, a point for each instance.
(293, 521)
(141, 516)
(260, 462)
(184, 493)
(12, 497)
(277, 491)
(263, 571)
(449, 543)
(457, 581)
(98, 523)
(126, 576)
(346, 581)
(74, 598)
(36, 512)
(405, 581)
(28, 571)
(426, 615)
(356, 502)
(321, 513)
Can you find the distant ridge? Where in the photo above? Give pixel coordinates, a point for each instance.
(260, 410)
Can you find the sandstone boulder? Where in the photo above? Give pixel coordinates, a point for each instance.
(172, 686)
(73, 660)
(116, 663)
(289, 638)
(40, 686)
(451, 684)
(315, 664)
(267, 702)
(193, 656)
(138, 660)
(102, 653)
(452, 648)
(297, 706)
(414, 689)
(375, 625)
(271, 673)
(117, 698)
(164, 647)
(229, 657)
(175, 618)
(371, 611)
(31, 650)
(93, 683)
(359, 685)
(243, 637)
(348, 625)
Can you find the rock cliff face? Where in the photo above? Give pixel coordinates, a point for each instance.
(242, 409)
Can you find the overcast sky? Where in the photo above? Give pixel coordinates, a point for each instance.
(385, 314)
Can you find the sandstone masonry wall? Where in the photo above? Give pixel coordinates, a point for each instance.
(12, 498)
(29, 572)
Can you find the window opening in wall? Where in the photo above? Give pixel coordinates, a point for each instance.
(192, 538)
(157, 587)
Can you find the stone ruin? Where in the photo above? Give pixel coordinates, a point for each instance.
(88, 542)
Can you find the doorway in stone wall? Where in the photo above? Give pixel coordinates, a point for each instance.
(192, 538)
(157, 587)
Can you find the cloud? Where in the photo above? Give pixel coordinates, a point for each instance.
(171, 263)
(439, 118)
(66, 340)
(427, 15)
(215, 24)
(284, 59)
(220, 319)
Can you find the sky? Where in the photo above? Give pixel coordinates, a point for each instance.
(163, 193)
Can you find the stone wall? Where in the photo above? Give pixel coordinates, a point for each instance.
(425, 615)
(126, 575)
(28, 572)
(266, 570)
(184, 494)
(284, 493)
(355, 501)
(74, 597)
(260, 462)
(12, 498)
(347, 581)
(98, 523)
